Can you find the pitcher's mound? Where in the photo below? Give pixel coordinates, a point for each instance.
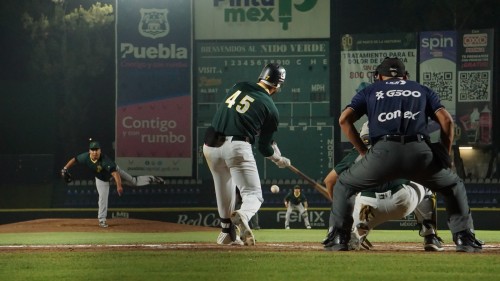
(91, 225)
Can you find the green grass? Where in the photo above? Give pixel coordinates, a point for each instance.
(229, 264)
(264, 235)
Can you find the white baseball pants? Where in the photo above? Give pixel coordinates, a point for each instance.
(233, 165)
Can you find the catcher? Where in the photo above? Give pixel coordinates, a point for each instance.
(393, 200)
(104, 169)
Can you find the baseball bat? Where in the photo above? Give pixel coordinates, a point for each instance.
(321, 189)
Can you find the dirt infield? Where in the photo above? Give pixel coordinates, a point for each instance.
(146, 226)
(91, 225)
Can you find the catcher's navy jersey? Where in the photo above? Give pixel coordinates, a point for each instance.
(396, 107)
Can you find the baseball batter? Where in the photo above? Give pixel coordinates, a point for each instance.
(247, 111)
(296, 200)
(398, 111)
(104, 168)
(394, 200)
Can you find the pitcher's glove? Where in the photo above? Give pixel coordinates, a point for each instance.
(66, 175)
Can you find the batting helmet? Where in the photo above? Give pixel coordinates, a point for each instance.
(273, 75)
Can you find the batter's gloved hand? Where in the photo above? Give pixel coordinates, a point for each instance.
(66, 175)
(277, 151)
(280, 161)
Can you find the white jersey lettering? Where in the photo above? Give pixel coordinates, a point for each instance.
(398, 93)
(387, 116)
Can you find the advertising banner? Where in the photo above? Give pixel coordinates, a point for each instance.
(438, 70)
(153, 87)
(272, 19)
(475, 82)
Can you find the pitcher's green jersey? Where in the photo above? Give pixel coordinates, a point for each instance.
(102, 168)
(248, 110)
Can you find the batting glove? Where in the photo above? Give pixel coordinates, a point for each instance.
(277, 151)
(280, 161)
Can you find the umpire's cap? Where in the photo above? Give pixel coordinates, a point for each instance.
(391, 67)
(273, 75)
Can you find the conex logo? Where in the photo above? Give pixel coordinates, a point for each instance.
(262, 10)
(154, 23)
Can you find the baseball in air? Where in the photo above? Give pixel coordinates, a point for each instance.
(275, 188)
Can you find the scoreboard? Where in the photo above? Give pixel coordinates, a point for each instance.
(305, 133)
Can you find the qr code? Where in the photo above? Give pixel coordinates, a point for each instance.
(474, 86)
(441, 83)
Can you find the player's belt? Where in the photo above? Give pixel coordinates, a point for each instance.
(241, 138)
(402, 138)
(382, 195)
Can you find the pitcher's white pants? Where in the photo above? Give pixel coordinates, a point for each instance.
(103, 190)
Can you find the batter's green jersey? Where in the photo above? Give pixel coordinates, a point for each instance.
(102, 168)
(350, 158)
(248, 110)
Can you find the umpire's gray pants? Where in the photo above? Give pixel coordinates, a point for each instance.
(388, 160)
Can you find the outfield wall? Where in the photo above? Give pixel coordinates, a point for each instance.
(269, 218)
(193, 202)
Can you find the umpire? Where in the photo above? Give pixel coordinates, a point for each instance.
(398, 112)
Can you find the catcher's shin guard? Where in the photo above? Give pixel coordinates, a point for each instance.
(426, 214)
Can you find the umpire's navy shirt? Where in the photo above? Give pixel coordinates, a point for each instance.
(396, 107)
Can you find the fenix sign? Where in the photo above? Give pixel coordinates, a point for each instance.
(261, 19)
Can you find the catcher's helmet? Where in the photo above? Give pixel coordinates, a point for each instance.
(273, 75)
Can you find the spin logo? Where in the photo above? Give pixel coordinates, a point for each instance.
(437, 41)
(262, 10)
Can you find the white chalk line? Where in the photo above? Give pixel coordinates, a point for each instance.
(166, 246)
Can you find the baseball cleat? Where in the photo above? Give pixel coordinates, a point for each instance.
(156, 180)
(466, 242)
(245, 230)
(432, 243)
(337, 240)
(103, 224)
(225, 239)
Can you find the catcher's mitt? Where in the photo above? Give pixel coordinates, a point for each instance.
(366, 213)
(66, 175)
